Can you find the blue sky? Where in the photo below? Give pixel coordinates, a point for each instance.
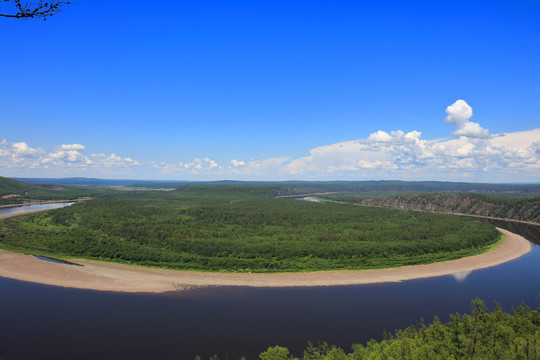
(268, 90)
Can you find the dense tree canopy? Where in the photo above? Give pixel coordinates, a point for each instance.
(231, 229)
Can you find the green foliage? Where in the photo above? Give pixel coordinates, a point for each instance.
(324, 351)
(230, 228)
(11, 186)
(229, 191)
(480, 335)
(276, 353)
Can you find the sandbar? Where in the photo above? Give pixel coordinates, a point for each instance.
(108, 276)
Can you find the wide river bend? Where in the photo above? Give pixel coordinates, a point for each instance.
(46, 322)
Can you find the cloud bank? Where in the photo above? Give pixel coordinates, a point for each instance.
(473, 154)
(66, 158)
(407, 155)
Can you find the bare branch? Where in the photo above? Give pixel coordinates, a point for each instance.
(37, 9)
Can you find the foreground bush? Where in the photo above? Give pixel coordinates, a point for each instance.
(479, 335)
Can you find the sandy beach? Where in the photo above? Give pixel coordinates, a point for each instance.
(106, 276)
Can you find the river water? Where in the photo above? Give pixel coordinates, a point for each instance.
(46, 322)
(34, 207)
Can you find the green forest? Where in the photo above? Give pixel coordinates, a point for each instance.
(244, 229)
(483, 334)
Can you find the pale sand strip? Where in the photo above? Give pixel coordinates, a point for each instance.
(106, 276)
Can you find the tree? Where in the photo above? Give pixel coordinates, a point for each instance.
(29, 10)
(276, 353)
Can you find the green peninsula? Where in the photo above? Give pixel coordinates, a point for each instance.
(244, 229)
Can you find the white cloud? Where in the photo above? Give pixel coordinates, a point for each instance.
(21, 155)
(399, 154)
(75, 147)
(459, 114)
(237, 163)
(403, 154)
(115, 161)
(131, 161)
(210, 163)
(196, 166)
(380, 136)
(22, 148)
(267, 167)
(68, 157)
(474, 155)
(64, 158)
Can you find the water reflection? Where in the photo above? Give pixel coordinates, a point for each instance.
(34, 207)
(461, 276)
(310, 199)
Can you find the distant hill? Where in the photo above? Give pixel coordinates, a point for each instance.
(105, 182)
(10, 186)
(13, 192)
(396, 186)
(298, 187)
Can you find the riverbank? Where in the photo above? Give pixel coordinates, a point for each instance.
(106, 276)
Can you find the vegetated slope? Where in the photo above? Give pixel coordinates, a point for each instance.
(469, 204)
(9, 186)
(245, 229)
(14, 192)
(480, 335)
(236, 191)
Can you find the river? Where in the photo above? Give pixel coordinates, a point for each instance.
(46, 322)
(34, 207)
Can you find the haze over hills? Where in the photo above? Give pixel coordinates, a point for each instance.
(506, 201)
(100, 182)
(308, 186)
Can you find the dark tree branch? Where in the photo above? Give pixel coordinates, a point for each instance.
(38, 9)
